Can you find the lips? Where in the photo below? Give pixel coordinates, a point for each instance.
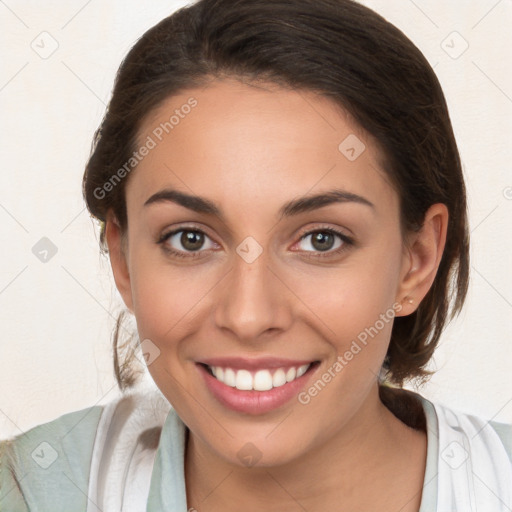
(255, 386)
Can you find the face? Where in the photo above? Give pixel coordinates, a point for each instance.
(257, 282)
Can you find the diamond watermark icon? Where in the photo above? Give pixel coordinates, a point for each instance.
(249, 454)
(45, 455)
(249, 249)
(352, 147)
(45, 45)
(454, 45)
(44, 250)
(454, 455)
(149, 351)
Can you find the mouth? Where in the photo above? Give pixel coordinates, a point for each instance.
(260, 380)
(255, 386)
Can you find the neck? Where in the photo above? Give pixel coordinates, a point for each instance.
(375, 462)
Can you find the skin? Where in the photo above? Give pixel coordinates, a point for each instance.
(250, 149)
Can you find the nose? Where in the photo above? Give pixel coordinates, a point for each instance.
(253, 302)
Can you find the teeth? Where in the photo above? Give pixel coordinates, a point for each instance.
(279, 378)
(290, 374)
(302, 370)
(229, 377)
(243, 380)
(262, 380)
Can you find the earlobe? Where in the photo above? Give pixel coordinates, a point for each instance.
(424, 252)
(118, 259)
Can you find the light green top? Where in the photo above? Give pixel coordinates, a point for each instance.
(47, 468)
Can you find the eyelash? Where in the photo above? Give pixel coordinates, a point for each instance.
(347, 242)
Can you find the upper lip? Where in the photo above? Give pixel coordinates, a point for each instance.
(261, 363)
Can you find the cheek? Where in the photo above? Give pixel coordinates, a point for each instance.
(164, 299)
(167, 301)
(355, 313)
(354, 307)
(356, 320)
(168, 298)
(351, 297)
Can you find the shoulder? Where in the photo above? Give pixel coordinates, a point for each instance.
(50, 464)
(48, 461)
(419, 412)
(472, 458)
(480, 432)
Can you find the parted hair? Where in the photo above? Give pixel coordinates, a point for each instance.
(340, 50)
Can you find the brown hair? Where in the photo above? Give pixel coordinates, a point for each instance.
(342, 51)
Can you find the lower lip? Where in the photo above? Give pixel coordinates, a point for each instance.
(254, 402)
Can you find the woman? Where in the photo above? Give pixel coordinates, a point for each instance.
(282, 201)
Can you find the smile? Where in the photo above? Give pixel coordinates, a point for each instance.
(255, 386)
(261, 380)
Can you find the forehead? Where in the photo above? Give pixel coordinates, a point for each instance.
(237, 142)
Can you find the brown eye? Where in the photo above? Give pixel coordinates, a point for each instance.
(322, 240)
(325, 242)
(192, 240)
(186, 242)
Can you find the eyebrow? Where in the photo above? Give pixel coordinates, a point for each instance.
(294, 207)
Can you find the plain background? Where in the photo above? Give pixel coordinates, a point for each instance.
(57, 316)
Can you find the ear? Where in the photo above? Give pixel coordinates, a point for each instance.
(118, 259)
(422, 257)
